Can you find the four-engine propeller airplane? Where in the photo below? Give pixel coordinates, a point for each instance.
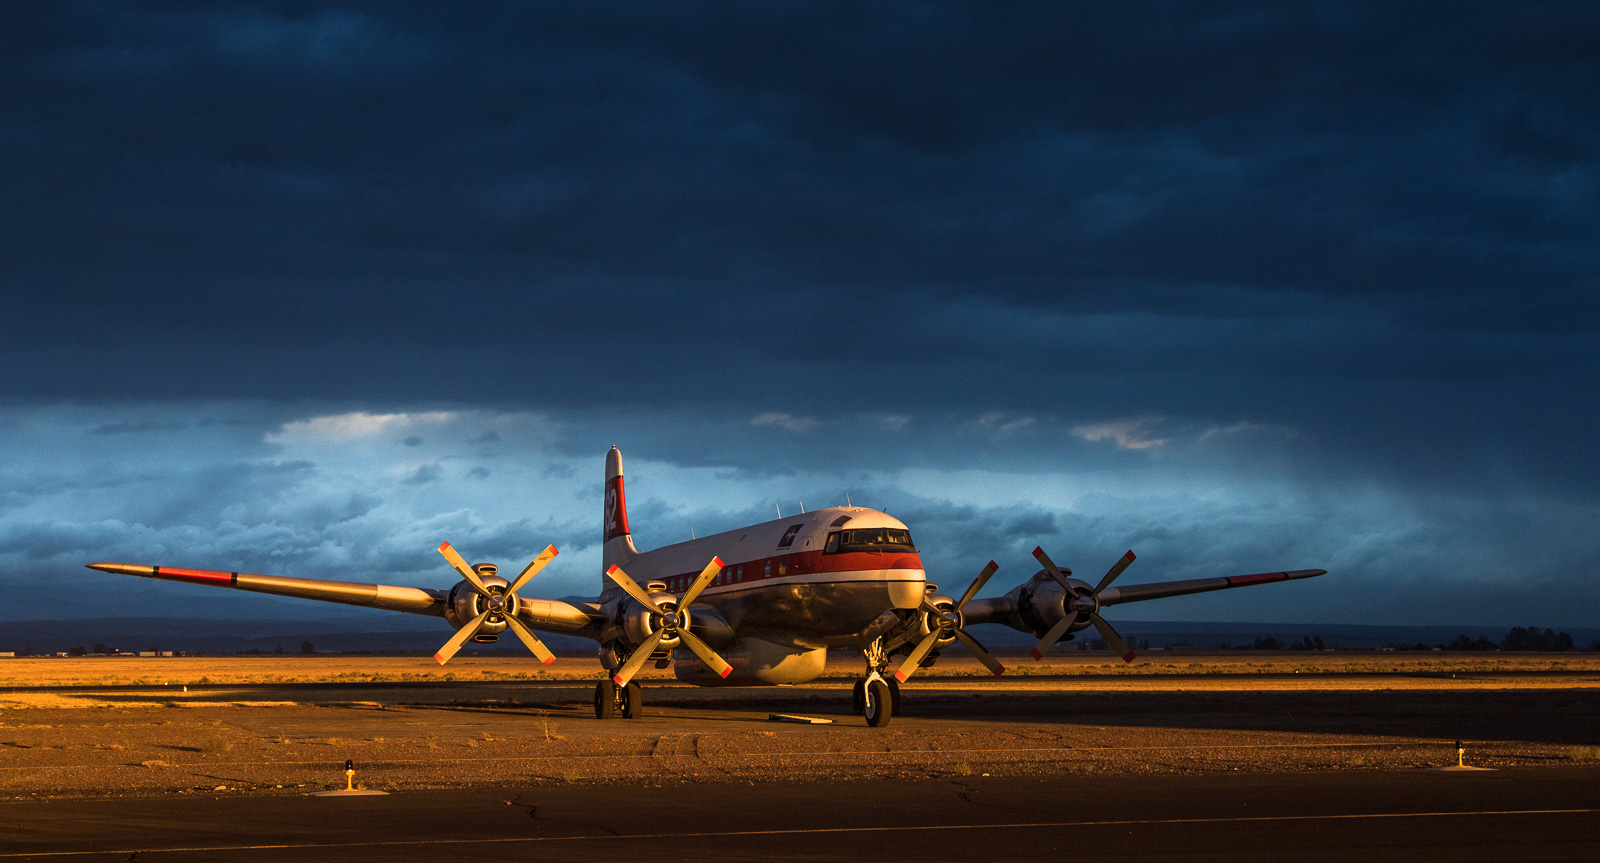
(755, 606)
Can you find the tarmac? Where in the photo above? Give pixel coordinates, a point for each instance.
(1544, 813)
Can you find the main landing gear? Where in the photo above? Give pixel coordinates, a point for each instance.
(611, 700)
(876, 697)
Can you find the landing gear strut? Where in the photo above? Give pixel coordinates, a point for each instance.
(611, 700)
(875, 696)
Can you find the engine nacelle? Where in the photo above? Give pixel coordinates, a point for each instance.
(1041, 603)
(934, 605)
(464, 604)
(636, 623)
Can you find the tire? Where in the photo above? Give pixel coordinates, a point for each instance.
(858, 697)
(879, 704)
(894, 696)
(605, 699)
(633, 702)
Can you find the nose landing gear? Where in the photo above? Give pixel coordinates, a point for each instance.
(875, 696)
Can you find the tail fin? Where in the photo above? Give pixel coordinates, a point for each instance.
(618, 549)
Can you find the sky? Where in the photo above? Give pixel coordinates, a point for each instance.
(308, 288)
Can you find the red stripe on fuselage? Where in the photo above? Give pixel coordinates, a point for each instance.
(1261, 578)
(785, 565)
(198, 576)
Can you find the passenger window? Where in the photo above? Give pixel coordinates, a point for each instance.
(766, 568)
(782, 566)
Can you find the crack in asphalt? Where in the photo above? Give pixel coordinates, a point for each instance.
(533, 813)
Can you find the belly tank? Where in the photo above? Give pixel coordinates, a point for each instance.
(755, 663)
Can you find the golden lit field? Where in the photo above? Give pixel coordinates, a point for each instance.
(1573, 669)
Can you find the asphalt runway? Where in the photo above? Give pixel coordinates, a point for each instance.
(1547, 813)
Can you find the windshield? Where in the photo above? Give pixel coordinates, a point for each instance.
(869, 539)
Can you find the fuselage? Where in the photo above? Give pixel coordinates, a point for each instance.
(818, 579)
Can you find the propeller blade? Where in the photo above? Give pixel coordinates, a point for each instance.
(1054, 635)
(976, 649)
(638, 658)
(1050, 567)
(917, 653)
(1111, 637)
(531, 640)
(461, 566)
(1116, 570)
(700, 582)
(706, 654)
(632, 588)
(460, 638)
(532, 569)
(977, 584)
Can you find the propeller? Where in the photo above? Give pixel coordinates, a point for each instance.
(499, 604)
(945, 623)
(1079, 605)
(668, 623)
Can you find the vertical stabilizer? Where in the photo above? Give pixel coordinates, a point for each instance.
(618, 549)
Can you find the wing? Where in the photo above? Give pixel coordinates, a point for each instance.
(1161, 590)
(544, 614)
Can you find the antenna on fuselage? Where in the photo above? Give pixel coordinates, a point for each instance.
(691, 532)
(802, 507)
(779, 509)
(847, 499)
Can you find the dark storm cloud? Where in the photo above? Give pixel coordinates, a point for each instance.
(1324, 246)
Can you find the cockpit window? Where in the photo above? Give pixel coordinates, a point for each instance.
(869, 539)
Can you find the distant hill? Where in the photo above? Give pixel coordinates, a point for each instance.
(413, 633)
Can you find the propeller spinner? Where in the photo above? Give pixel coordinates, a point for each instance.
(498, 604)
(1080, 605)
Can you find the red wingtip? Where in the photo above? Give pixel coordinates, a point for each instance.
(727, 671)
(1036, 654)
(999, 670)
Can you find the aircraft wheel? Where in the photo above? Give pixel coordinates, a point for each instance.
(605, 699)
(633, 702)
(858, 697)
(879, 704)
(894, 696)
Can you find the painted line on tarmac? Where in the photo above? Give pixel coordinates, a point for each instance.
(808, 831)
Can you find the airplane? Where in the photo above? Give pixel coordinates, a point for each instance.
(756, 606)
